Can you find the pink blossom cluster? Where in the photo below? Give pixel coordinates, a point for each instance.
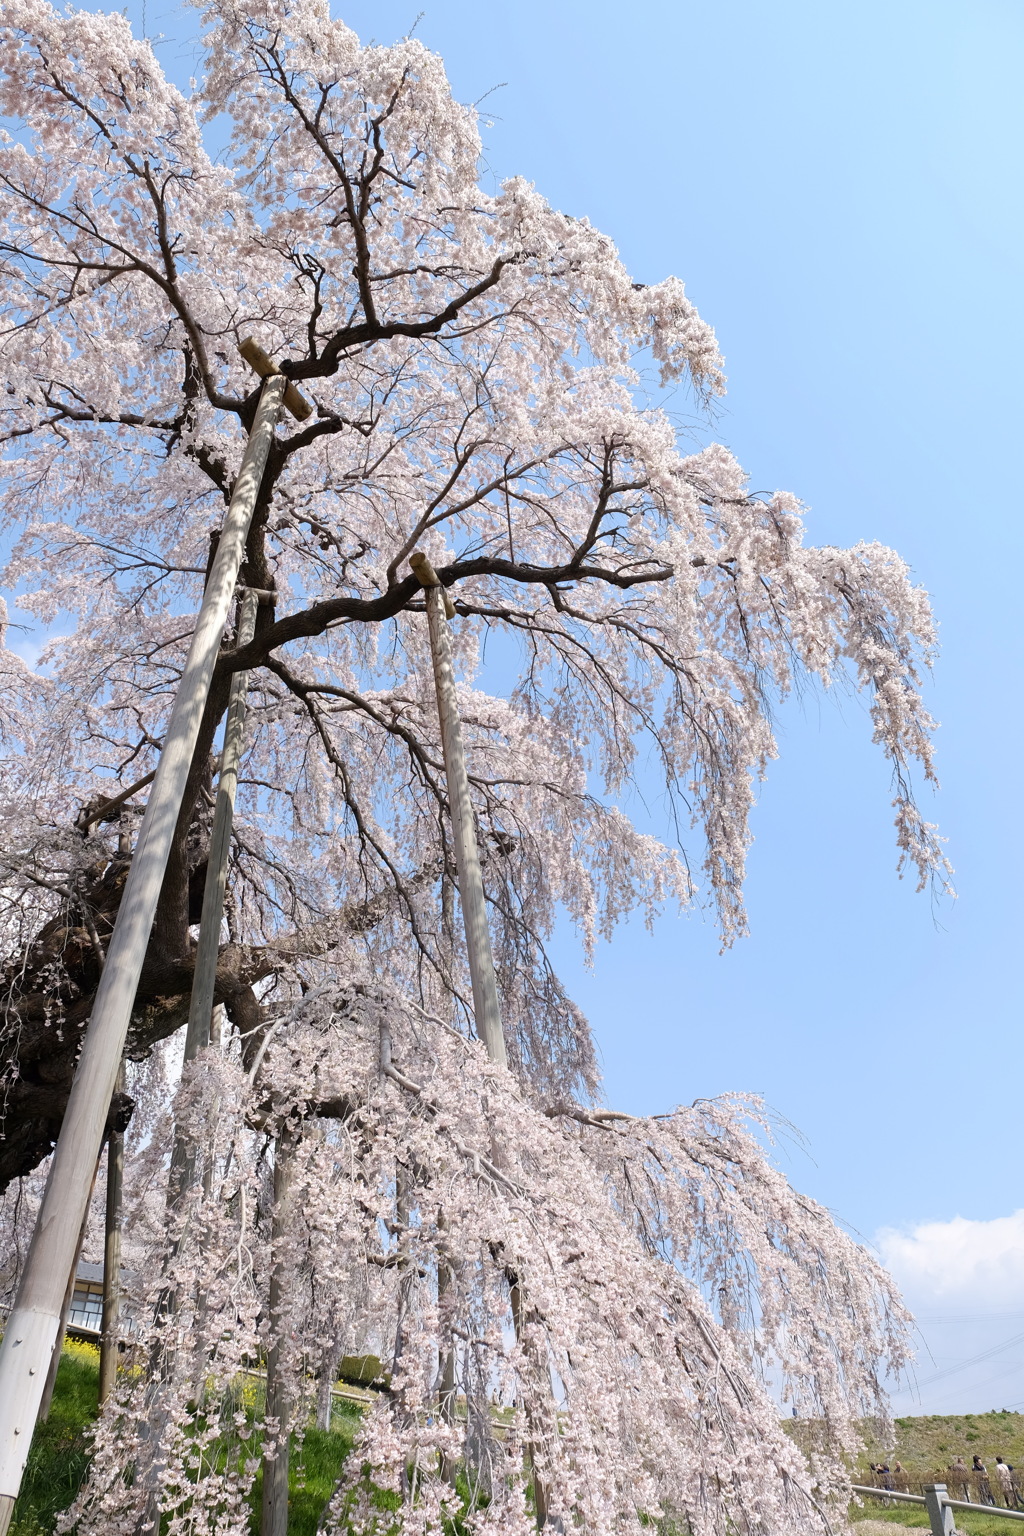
(626, 1302)
(595, 1317)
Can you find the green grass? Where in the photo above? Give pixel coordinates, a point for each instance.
(313, 1471)
(59, 1458)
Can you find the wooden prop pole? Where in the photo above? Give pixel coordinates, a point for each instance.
(34, 1323)
(274, 1505)
(467, 857)
(45, 1402)
(204, 979)
(110, 1342)
(440, 609)
(200, 1012)
(265, 366)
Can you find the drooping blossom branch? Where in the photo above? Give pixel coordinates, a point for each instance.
(676, 1290)
(473, 358)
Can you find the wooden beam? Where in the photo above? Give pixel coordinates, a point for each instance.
(263, 364)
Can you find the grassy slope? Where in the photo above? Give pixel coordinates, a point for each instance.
(928, 1444)
(60, 1454)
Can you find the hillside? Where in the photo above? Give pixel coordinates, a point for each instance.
(927, 1444)
(60, 1453)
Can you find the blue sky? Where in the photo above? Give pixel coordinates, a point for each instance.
(839, 186)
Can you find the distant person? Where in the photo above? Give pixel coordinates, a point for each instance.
(959, 1479)
(981, 1478)
(1015, 1484)
(900, 1477)
(883, 1478)
(1004, 1476)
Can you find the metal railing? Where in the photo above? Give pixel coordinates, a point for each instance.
(939, 1505)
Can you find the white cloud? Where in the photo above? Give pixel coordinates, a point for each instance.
(959, 1261)
(964, 1281)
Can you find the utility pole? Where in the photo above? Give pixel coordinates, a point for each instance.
(467, 856)
(34, 1323)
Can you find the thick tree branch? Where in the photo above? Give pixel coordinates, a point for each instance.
(405, 594)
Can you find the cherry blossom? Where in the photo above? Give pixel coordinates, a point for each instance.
(624, 1303)
(671, 1290)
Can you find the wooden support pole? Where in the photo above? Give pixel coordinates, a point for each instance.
(467, 856)
(110, 1342)
(478, 940)
(204, 978)
(34, 1323)
(447, 1396)
(90, 816)
(200, 1012)
(217, 1021)
(46, 1400)
(274, 1510)
(540, 1496)
(264, 365)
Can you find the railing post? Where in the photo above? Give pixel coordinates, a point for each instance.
(939, 1512)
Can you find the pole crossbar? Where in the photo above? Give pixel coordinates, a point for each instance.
(34, 1324)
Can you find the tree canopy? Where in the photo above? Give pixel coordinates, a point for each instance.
(485, 380)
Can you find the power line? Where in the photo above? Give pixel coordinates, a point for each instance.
(971, 1317)
(986, 1354)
